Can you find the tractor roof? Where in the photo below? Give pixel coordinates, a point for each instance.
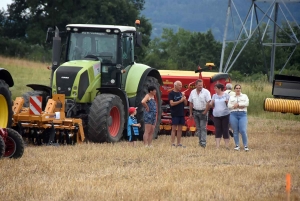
(98, 26)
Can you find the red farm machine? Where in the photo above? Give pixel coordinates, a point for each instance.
(11, 142)
(188, 79)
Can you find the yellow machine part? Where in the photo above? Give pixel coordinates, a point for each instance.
(193, 129)
(282, 105)
(4, 112)
(167, 127)
(47, 118)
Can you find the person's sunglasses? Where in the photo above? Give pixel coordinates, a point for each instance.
(237, 88)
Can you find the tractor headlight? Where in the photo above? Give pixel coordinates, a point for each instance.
(74, 94)
(54, 92)
(118, 66)
(69, 88)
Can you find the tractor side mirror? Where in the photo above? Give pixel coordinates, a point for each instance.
(49, 35)
(138, 39)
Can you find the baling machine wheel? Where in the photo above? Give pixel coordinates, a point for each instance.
(106, 119)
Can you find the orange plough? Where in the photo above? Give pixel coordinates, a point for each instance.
(50, 126)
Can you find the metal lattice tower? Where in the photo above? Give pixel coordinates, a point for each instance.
(248, 29)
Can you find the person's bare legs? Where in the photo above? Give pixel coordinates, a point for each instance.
(150, 136)
(146, 134)
(218, 142)
(173, 132)
(179, 133)
(226, 143)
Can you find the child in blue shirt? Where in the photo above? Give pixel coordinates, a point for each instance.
(132, 126)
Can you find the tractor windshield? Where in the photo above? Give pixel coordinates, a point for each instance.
(93, 44)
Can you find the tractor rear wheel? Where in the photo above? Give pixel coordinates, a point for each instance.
(106, 119)
(14, 144)
(5, 105)
(2, 147)
(150, 81)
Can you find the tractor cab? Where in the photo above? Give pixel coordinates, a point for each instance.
(112, 46)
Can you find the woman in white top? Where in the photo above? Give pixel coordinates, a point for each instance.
(238, 116)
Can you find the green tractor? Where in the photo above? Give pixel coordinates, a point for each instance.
(100, 78)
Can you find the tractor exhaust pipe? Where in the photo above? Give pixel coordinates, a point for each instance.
(56, 51)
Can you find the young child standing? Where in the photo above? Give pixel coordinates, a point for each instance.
(132, 126)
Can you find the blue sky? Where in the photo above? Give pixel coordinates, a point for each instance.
(3, 4)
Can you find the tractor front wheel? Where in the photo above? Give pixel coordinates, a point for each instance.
(14, 144)
(106, 119)
(5, 105)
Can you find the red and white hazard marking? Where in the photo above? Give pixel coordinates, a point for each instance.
(35, 105)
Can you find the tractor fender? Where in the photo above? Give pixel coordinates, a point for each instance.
(121, 94)
(6, 76)
(39, 87)
(135, 79)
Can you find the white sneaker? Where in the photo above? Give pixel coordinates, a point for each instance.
(246, 148)
(237, 148)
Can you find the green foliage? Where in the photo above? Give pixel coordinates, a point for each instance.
(29, 20)
(183, 50)
(19, 48)
(236, 76)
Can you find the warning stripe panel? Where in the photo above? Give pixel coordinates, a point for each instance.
(37, 99)
(35, 106)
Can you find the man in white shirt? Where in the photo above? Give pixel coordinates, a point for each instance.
(199, 99)
(229, 89)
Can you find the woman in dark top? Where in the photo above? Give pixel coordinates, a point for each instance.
(149, 115)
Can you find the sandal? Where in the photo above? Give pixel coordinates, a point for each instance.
(180, 145)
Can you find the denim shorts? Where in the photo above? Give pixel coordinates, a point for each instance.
(178, 120)
(150, 118)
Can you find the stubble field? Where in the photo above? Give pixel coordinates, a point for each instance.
(121, 172)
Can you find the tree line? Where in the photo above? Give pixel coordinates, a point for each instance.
(23, 29)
